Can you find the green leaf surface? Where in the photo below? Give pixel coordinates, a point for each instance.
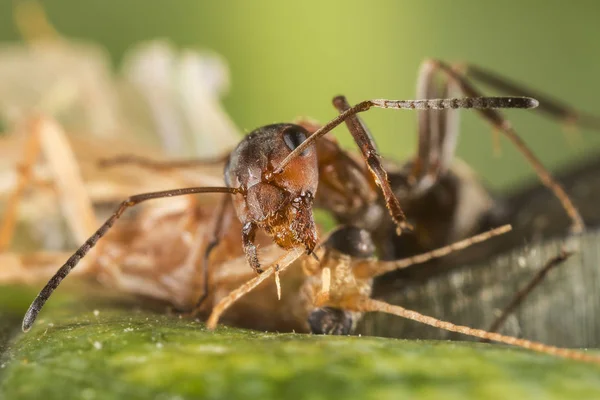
(91, 351)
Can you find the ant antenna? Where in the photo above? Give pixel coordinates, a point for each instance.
(44, 295)
(481, 103)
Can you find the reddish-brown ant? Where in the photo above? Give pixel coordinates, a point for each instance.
(273, 175)
(331, 294)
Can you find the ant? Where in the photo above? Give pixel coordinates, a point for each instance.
(273, 175)
(356, 245)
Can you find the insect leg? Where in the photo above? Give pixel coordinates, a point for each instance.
(221, 222)
(53, 283)
(368, 148)
(497, 120)
(520, 296)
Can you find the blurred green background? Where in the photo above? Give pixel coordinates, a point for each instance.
(289, 59)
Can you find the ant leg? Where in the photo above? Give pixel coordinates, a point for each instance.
(367, 146)
(144, 162)
(548, 105)
(525, 291)
(53, 283)
(221, 222)
(248, 235)
(377, 268)
(370, 305)
(278, 266)
(497, 120)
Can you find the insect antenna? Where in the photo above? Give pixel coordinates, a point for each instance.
(370, 305)
(482, 103)
(46, 292)
(368, 270)
(497, 120)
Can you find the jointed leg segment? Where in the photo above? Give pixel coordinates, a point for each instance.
(220, 223)
(503, 125)
(368, 148)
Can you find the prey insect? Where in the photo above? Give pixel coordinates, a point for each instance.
(273, 177)
(336, 290)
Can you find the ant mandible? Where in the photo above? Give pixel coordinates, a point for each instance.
(273, 173)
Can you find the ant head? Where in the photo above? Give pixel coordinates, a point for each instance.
(279, 203)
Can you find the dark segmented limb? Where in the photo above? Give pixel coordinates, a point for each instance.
(62, 273)
(497, 120)
(221, 222)
(520, 296)
(368, 148)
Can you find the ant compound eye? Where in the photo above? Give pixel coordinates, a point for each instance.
(293, 137)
